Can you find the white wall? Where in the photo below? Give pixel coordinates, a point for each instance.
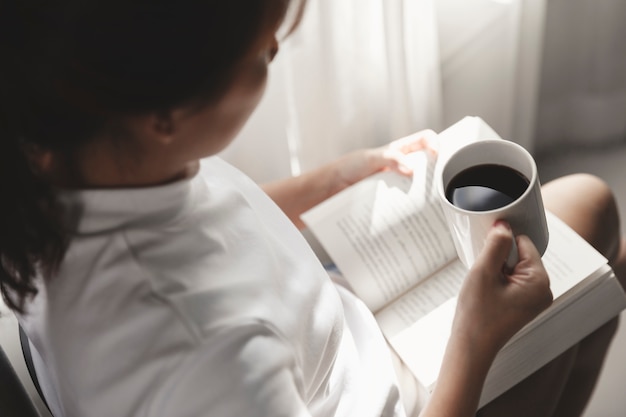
(583, 90)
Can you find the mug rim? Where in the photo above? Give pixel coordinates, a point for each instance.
(531, 181)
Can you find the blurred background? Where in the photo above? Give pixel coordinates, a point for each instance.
(547, 74)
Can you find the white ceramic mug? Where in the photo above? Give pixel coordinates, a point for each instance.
(526, 214)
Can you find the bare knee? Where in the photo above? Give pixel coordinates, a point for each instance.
(593, 348)
(588, 205)
(619, 263)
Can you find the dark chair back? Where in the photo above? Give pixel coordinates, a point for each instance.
(14, 400)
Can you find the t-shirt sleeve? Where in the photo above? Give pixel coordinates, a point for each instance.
(249, 371)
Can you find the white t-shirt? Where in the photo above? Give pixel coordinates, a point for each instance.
(200, 298)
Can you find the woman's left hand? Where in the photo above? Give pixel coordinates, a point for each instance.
(295, 195)
(357, 165)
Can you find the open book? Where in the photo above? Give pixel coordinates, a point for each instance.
(388, 236)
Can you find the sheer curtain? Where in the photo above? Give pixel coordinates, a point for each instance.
(356, 73)
(360, 73)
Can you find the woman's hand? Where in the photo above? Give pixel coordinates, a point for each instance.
(493, 305)
(357, 165)
(298, 194)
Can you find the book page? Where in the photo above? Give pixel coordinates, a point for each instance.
(388, 237)
(385, 233)
(467, 130)
(422, 300)
(569, 258)
(418, 324)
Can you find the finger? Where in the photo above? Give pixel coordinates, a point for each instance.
(395, 160)
(418, 141)
(527, 249)
(512, 259)
(409, 144)
(496, 249)
(533, 267)
(393, 155)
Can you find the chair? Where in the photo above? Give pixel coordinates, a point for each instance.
(14, 400)
(28, 359)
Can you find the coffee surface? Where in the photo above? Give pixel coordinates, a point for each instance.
(486, 187)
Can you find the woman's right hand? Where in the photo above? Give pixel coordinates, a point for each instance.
(493, 305)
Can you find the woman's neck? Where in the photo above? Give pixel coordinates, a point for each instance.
(105, 164)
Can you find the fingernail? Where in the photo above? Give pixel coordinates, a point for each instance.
(502, 223)
(405, 169)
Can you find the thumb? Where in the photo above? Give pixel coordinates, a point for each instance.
(394, 160)
(496, 249)
(527, 250)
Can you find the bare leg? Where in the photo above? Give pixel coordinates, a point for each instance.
(602, 229)
(588, 206)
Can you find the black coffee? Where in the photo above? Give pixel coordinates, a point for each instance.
(486, 187)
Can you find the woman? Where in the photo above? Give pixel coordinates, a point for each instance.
(152, 278)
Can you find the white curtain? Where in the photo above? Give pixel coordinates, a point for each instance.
(356, 73)
(360, 73)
